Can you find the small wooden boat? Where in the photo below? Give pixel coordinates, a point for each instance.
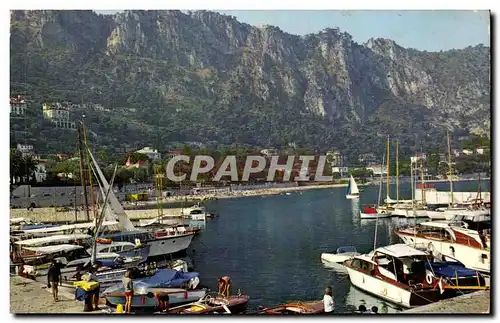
(341, 255)
(307, 308)
(213, 303)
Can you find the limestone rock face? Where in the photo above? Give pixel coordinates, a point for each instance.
(249, 74)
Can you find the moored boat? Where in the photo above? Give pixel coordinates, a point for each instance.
(213, 303)
(394, 273)
(294, 308)
(340, 255)
(371, 212)
(145, 299)
(470, 247)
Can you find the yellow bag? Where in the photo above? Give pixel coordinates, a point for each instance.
(86, 286)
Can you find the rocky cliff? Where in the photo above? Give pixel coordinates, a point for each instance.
(205, 76)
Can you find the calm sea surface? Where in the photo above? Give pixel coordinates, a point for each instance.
(270, 246)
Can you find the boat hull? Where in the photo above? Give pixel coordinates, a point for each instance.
(169, 244)
(471, 257)
(390, 292)
(337, 258)
(363, 215)
(351, 197)
(145, 302)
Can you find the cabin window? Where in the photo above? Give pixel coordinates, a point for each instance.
(356, 263)
(366, 266)
(452, 250)
(115, 249)
(127, 247)
(105, 250)
(484, 257)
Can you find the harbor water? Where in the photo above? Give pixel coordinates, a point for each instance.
(270, 246)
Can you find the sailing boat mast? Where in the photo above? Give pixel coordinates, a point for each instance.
(397, 171)
(422, 180)
(379, 194)
(388, 171)
(449, 168)
(412, 185)
(88, 170)
(82, 174)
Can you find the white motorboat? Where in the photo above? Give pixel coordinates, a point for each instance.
(352, 189)
(196, 213)
(470, 247)
(340, 255)
(394, 273)
(370, 212)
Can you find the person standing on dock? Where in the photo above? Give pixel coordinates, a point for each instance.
(54, 278)
(128, 286)
(328, 301)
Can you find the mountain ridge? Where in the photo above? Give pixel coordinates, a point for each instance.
(257, 86)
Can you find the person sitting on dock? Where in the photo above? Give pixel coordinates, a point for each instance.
(54, 278)
(328, 301)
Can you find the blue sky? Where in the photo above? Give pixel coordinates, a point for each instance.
(430, 30)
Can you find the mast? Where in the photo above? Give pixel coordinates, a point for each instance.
(379, 193)
(158, 181)
(99, 221)
(422, 181)
(387, 185)
(412, 185)
(397, 171)
(450, 168)
(82, 174)
(381, 181)
(89, 171)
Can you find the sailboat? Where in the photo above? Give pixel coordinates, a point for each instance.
(352, 190)
(374, 211)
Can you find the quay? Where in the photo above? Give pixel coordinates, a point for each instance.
(49, 214)
(473, 303)
(31, 297)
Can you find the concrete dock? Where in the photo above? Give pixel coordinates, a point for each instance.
(473, 303)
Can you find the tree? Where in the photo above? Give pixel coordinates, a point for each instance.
(21, 167)
(360, 172)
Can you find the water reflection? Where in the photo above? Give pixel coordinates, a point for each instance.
(356, 297)
(338, 269)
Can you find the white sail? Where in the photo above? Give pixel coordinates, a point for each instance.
(117, 208)
(354, 187)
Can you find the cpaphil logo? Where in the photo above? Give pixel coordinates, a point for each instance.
(203, 164)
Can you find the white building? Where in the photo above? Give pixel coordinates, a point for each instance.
(25, 149)
(152, 154)
(41, 171)
(378, 169)
(59, 115)
(269, 152)
(17, 106)
(342, 170)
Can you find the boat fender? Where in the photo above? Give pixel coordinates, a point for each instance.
(428, 278)
(185, 294)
